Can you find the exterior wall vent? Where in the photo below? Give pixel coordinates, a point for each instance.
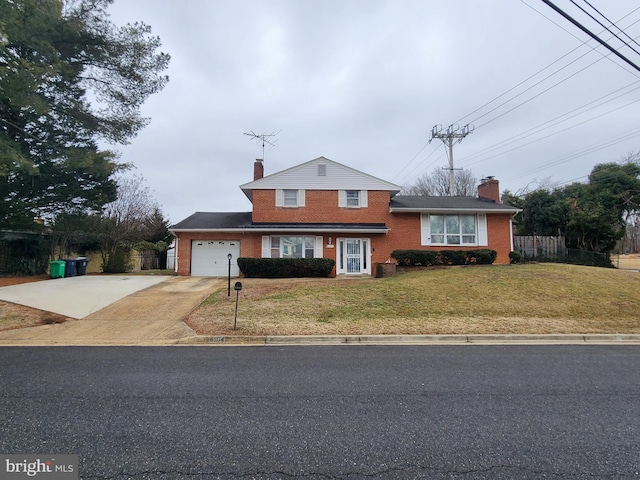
(322, 170)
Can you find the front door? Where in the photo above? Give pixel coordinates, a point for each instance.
(353, 256)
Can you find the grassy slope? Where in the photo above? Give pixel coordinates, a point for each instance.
(544, 298)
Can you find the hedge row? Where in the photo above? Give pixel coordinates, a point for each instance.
(429, 258)
(285, 267)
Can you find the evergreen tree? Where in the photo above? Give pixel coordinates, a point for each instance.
(68, 78)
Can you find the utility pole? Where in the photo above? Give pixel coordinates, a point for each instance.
(452, 133)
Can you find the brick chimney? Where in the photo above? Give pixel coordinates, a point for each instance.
(258, 169)
(489, 189)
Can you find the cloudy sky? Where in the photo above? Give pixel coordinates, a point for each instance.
(363, 82)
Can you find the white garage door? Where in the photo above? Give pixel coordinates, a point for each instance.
(209, 258)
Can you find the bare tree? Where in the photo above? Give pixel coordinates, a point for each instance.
(436, 184)
(124, 221)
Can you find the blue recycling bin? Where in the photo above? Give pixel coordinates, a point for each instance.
(70, 268)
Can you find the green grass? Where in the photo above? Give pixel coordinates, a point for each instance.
(543, 298)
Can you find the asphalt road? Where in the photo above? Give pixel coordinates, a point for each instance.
(347, 412)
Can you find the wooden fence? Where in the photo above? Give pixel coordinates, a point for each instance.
(535, 246)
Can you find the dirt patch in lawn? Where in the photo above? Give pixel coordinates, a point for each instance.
(8, 281)
(18, 316)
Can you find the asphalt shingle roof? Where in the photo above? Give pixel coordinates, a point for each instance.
(416, 202)
(242, 220)
(215, 220)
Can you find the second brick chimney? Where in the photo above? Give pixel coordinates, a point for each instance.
(258, 169)
(489, 189)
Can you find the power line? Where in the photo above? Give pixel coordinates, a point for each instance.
(590, 149)
(538, 129)
(437, 159)
(584, 42)
(604, 26)
(591, 34)
(410, 161)
(612, 23)
(542, 92)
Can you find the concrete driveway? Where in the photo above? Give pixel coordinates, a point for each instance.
(110, 310)
(77, 297)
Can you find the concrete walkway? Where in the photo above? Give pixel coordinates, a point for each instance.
(148, 316)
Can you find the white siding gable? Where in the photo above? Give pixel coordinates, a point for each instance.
(309, 176)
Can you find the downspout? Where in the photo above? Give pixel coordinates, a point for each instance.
(175, 257)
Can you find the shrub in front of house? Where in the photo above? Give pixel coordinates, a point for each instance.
(515, 257)
(285, 267)
(433, 258)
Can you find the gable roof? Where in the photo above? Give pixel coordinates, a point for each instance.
(417, 203)
(309, 176)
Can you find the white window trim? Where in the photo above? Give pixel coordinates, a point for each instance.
(300, 200)
(317, 249)
(266, 246)
(363, 199)
(481, 231)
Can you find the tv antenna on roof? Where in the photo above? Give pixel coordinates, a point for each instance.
(263, 139)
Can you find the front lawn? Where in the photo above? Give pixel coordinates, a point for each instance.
(519, 299)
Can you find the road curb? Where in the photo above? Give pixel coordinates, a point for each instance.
(272, 340)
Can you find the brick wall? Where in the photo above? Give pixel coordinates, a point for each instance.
(321, 206)
(404, 233)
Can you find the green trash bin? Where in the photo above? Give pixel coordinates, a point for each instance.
(56, 268)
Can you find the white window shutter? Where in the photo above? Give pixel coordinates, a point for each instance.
(318, 250)
(279, 198)
(425, 233)
(342, 198)
(483, 236)
(266, 246)
(364, 198)
(301, 198)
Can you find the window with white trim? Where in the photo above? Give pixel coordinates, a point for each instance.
(290, 198)
(293, 247)
(353, 198)
(453, 229)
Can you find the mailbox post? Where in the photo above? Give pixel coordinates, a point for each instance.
(229, 276)
(237, 287)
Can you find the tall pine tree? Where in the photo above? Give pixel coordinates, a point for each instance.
(69, 78)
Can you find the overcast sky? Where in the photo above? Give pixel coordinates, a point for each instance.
(363, 82)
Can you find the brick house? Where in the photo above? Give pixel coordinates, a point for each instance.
(322, 208)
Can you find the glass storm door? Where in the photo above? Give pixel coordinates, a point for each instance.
(353, 256)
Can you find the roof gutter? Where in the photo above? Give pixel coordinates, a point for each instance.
(510, 210)
(280, 230)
